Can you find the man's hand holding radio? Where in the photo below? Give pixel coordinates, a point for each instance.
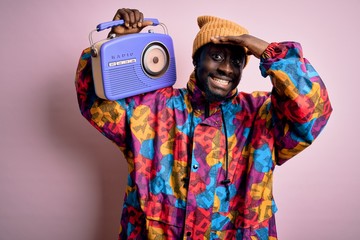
(133, 21)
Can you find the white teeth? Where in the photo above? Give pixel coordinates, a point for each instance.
(223, 82)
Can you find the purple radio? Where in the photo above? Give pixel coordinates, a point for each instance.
(132, 64)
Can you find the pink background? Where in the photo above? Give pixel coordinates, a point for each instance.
(61, 179)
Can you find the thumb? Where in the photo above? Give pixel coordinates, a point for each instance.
(145, 24)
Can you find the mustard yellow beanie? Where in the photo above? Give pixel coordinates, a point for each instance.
(211, 26)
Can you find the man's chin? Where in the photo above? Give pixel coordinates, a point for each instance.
(214, 97)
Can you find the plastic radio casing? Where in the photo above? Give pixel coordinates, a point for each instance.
(132, 64)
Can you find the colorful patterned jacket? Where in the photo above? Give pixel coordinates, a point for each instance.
(200, 170)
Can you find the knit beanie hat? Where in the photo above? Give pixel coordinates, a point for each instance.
(213, 26)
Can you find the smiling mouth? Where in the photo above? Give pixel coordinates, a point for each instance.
(220, 81)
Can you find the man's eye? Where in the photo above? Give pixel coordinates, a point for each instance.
(217, 57)
(237, 62)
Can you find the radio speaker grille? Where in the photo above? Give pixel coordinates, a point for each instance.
(122, 80)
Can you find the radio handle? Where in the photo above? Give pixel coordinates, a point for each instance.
(106, 25)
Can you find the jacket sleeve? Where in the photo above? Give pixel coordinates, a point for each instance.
(300, 106)
(109, 117)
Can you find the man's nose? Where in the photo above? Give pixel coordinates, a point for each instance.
(225, 67)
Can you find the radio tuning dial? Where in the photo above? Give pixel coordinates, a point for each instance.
(155, 60)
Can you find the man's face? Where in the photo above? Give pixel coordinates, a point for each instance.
(218, 69)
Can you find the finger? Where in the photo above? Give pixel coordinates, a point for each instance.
(129, 18)
(120, 14)
(219, 40)
(132, 19)
(146, 23)
(137, 17)
(141, 19)
(117, 15)
(226, 40)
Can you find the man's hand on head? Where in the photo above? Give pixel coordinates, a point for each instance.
(254, 45)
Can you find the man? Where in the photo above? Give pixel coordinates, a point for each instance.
(201, 159)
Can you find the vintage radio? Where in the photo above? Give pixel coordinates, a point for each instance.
(132, 64)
